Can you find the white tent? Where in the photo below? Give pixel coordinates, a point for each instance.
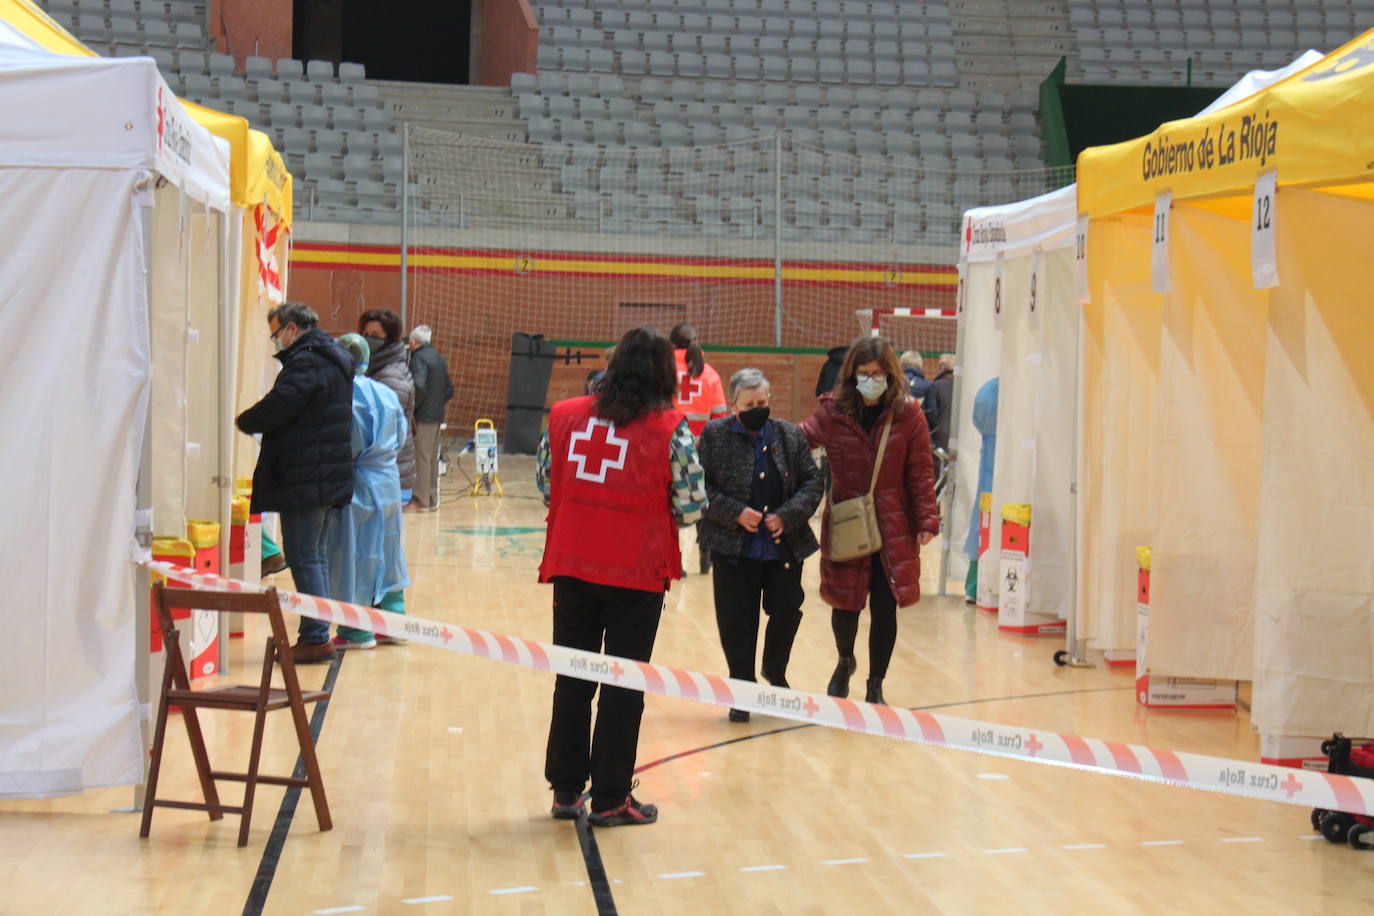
(110, 191)
(1013, 257)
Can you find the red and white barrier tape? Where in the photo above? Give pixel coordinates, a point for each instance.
(1219, 774)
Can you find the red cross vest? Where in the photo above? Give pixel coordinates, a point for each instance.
(610, 511)
(700, 399)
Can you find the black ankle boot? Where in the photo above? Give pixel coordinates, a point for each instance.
(839, 681)
(875, 691)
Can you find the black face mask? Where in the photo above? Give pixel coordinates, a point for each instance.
(754, 418)
(376, 343)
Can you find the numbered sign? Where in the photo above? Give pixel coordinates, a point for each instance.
(1036, 296)
(1264, 263)
(1080, 260)
(998, 274)
(1159, 245)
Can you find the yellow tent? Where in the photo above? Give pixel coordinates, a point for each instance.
(1228, 392)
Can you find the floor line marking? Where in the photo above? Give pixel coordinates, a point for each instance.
(993, 776)
(514, 890)
(763, 868)
(437, 898)
(1086, 846)
(925, 855)
(998, 852)
(1162, 843)
(1311, 836)
(684, 874)
(1242, 839)
(843, 861)
(341, 909)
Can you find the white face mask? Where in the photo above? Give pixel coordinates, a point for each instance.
(871, 388)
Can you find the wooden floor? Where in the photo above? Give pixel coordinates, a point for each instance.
(433, 762)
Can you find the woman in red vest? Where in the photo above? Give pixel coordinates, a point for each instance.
(849, 424)
(700, 397)
(620, 472)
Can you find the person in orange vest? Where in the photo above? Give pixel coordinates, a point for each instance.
(620, 472)
(700, 397)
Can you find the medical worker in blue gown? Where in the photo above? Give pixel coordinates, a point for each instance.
(985, 421)
(367, 563)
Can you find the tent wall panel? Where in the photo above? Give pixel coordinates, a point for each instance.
(1314, 627)
(69, 712)
(1206, 494)
(979, 362)
(169, 306)
(1120, 386)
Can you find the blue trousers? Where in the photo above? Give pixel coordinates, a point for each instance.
(303, 542)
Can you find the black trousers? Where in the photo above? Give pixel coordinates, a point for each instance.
(618, 621)
(739, 586)
(882, 623)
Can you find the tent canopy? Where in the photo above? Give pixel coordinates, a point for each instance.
(1312, 127)
(127, 116)
(257, 173)
(1017, 229)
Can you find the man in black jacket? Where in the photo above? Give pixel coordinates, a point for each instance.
(305, 466)
(433, 389)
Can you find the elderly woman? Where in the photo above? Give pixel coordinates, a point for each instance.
(870, 414)
(390, 365)
(762, 487)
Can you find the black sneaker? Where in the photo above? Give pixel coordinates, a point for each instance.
(739, 715)
(628, 812)
(567, 805)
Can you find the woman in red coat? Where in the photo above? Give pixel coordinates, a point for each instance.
(849, 424)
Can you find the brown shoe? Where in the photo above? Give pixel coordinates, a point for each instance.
(303, 654)
(274, 564)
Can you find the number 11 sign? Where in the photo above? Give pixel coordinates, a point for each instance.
(1159, 243)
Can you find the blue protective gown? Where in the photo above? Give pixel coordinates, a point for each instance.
(366, 555)
(985, 421)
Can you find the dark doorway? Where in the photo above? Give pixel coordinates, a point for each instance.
(417, 40)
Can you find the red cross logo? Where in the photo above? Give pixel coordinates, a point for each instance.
(160, 127)
(600, 450)
(616, 670)
(688, 388)
(968, 234)
(1291, 786)
(445, 634)
(1033, 745)
(811, 708)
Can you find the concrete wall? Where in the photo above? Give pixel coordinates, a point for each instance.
(509, 40)
(252, 27)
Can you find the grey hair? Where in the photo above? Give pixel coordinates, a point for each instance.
(297, 313)
(745, 379)
(911, 359)
(422, 333)
(946, 361)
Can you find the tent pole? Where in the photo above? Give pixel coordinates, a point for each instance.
(1074, 654)
(777, 239)
(947, 510)
(228, 350)
(405, 227)
(143, 514)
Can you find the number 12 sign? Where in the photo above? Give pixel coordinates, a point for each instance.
(1264, 262)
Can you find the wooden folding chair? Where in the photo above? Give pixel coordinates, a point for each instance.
(259, 699)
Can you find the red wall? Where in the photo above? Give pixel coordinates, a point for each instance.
(474, 313)
(252, 27)
(510, 40)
